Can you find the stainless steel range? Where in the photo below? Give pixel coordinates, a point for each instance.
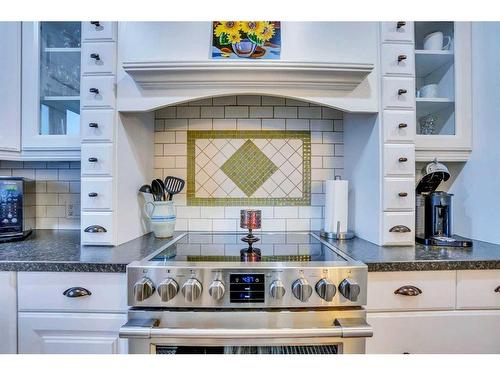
(220, 293)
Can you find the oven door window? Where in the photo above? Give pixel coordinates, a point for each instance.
(289, 349)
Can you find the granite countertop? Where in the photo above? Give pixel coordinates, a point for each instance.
(60, 251)
(483, 255)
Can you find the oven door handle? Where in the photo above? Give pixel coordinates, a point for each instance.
(343, 328)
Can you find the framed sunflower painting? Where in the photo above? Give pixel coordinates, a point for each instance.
(246, 40)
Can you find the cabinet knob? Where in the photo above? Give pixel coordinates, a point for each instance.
(94, 90)
(95, 229)
(497, 289)
(402, 125)
(408, 290)
(400, 24)
(401, 58)
(76, 291)
(403, 194)
(93, 125)
(92, 160)
(403, 160)
(95, 23)
(400, 91)
(92, 195)
(95, 56)
(400, 229)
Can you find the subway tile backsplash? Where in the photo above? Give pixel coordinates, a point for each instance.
(57, 191)
(250, 113)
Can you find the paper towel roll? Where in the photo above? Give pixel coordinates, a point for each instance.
(336, 205)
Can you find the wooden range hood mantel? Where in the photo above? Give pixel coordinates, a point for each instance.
(158, 75)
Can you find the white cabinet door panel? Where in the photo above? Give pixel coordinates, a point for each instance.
(398, 59)
(478, 289)
(434, 332)
(10, 87)
(8, 313)
(397, 31)
(99, 58)
(71, 333)
(399, 126)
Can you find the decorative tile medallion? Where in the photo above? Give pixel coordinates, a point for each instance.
(260, 168)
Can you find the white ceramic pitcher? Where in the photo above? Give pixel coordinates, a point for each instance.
(161, 215)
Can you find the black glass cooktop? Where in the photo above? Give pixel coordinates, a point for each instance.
(229, 247)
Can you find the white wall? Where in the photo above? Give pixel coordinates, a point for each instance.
(477, 187)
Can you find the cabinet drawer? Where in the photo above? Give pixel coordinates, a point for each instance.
(437, 290)
(398, 59)
(98, 92)
(102, 31)
(97, 125)
(99, 58)
(399, 160)
(477, 289)
(97, 193)
(398, 92)
(44, 291)
(97, 159)
(395, 229)
(398, 193)
(434, 332)
(397, 31)
(399, 126)
(102, 219)
(71, 333)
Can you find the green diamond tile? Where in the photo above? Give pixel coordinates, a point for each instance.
(249, 168)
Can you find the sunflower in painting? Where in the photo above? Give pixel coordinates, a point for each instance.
(226, 27)
(252, 27)
(267, 31)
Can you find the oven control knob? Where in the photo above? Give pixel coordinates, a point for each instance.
(277, 289)
(216, 290)
(349, 289)
(301, 289)
(168, 289)
(143, 289)
(326, 289)
(192, 290)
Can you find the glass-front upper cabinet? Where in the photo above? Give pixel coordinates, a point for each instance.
(51, 85)
(443, 96)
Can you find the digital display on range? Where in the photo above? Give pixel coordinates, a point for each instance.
(246, 288)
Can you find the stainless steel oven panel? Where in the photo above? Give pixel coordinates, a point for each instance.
(206, 273)
(345, 328)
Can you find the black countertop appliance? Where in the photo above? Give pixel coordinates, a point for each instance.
(434, 224)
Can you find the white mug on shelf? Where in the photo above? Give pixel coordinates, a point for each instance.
(434, 42)
(428, 91)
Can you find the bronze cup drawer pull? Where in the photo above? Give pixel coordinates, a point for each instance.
(400, 229)
(95, 56)
(93, 195)
(400, 24)
(408, 290)
(402, 91)
(96, 24)
(403, 194)
(402, 125)
(497, 289)
(402, 159)
(76, 292)
(95, 229)
(401, 58)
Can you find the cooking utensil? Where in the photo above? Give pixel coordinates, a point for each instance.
(157, 190)
(173, 185)
(145, 189)
(163, 195)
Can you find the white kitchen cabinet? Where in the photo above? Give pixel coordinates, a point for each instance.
(8, 313)
(70, 333)
(434, 332)
(10, 87)
(444, 120)
(51, 88)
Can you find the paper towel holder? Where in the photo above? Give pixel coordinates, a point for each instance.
(340, 236)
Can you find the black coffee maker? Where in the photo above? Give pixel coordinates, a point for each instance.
(434, 214)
